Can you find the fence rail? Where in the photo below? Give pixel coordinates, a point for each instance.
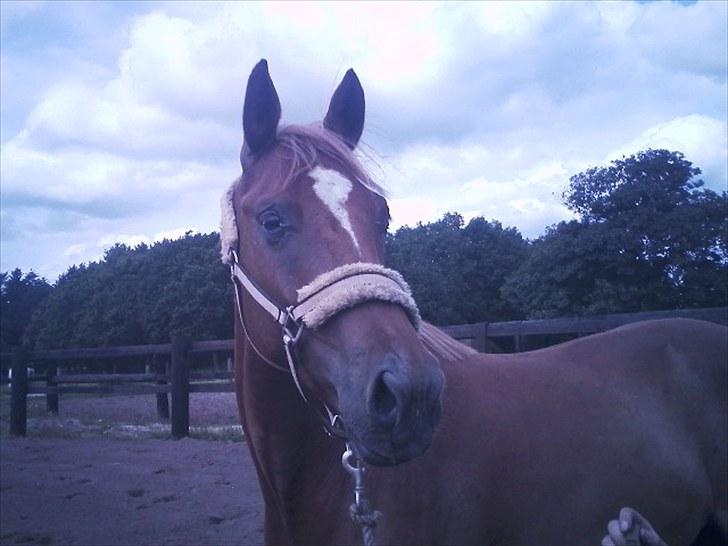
(178, 380)
(478, 335)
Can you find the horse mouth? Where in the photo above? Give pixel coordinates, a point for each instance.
(380, 452)
(375, 458)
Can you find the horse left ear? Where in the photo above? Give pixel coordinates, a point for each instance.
(346, 110)
(261, 110)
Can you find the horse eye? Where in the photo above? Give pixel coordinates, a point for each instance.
(271, 222)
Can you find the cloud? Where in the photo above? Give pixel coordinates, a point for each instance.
(14, 12)
(702, 139)
(123, 238)
(75, 250)
(124, 118)
(697, 42)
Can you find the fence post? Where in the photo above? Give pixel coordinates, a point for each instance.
(51, 398)
(518, 343)
(180, 386)
(481, 338)
(160, 368)
(19, 393)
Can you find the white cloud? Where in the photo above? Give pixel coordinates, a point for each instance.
(122, 238)
(75, 250)
(176, 233)
(409, 211)
(485, 108)
(702, 139)
(697, 40)
(14, 11)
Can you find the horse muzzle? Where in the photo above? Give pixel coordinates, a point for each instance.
(402, 408)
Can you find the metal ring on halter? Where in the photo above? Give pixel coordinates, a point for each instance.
(289, 319)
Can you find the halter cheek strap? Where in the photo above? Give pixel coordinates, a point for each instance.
(330, 293)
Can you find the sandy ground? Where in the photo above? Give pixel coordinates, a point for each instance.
(99, 474)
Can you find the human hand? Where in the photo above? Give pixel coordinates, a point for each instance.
(632, 529)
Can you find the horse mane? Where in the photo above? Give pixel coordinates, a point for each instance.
(306, 144)
(441, 345)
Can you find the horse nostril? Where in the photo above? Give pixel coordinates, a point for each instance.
(383, 402)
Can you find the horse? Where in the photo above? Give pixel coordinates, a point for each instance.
(456, 447)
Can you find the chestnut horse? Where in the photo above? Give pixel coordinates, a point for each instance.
(541, 447)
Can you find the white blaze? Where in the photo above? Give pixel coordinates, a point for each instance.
(333, 189)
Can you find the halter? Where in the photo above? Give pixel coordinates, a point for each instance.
(330, 293)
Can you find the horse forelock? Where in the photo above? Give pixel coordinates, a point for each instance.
(312, 145)
(305, 147)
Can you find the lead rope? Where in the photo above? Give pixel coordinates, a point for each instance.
(360, 511)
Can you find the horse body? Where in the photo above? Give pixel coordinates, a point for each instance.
(532, 448)
(541, 447)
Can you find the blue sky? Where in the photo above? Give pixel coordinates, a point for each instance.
(120, 121)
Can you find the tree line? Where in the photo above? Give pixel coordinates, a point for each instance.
(647, 235)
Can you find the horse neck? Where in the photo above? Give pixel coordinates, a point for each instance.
(298, 464)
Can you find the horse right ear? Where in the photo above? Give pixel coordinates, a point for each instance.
(262, 109)
(346, 110)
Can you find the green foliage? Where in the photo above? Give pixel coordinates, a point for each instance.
(139, 295)
(19, 296)
(649, 237)
(455, 270)
(581, 269)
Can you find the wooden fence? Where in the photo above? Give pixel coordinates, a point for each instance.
(514, 336)
(177, 381)
(174, 380)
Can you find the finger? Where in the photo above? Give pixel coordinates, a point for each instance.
(627, 518)
(607, 541)
(648, 537)
(615, 533)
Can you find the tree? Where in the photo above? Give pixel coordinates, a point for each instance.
(649, 236)
(139, 295)
(19, 296)
(455, 271)
(579, 268)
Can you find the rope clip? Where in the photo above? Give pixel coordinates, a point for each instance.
(356, 472)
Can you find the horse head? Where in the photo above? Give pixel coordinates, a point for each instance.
(303, 218)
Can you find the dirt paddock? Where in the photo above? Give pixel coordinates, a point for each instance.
(103, 473)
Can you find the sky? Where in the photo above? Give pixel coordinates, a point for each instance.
(121, 121)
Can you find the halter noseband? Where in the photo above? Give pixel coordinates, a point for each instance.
(330, 293)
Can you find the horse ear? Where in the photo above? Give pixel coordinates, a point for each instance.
(346, 110)
(262, 109)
